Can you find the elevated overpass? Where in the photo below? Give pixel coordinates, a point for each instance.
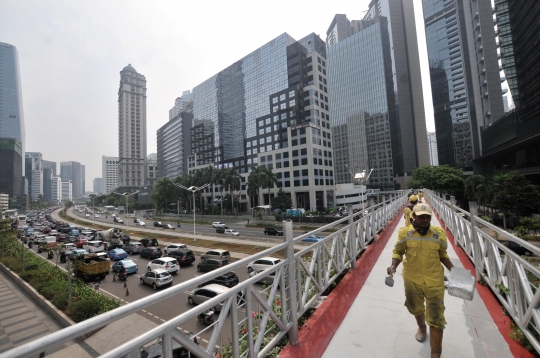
(361, 316)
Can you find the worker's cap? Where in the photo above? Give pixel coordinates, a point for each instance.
(413, 198)
(422, 209)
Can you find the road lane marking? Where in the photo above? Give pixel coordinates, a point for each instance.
(144, 311)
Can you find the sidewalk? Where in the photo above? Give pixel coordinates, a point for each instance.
(377, 324)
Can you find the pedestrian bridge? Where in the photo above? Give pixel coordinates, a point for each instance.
(361, 316)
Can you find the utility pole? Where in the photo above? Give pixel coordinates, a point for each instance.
(69, 281)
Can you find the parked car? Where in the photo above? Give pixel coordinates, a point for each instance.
(156, 349)
(183, 256)
(232, 232)
(174, 247)
(157, 278)
(203, 294)
(221, 230)
(272, 231)
(129, 265)
(146, 242)
(211, 264)
(117, 254)
(517, 248)
(118, 220)
(312, 238)
(133, 248)
(263, 263)
(168, 263)
(217, 224)
(228, 279)
(168, 226)
(151, 252)
(216, 254)
(269, 279)
(158, 224)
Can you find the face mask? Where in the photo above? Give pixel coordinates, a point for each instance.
(421, 230)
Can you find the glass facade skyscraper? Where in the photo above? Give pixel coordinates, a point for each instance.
(11, 106)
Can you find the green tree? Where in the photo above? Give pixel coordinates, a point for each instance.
(254, 184)
(163, 192)
(269, 179)
(471, 185)
(442, 178)
(514, 195)
(111, 200)
(282, 200)
(231, 180)
(227, 204)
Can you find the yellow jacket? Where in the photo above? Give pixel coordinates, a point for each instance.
(408, 216)
(420, 196)
(423, 255)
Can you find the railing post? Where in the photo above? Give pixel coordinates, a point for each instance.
(473, 207)
(453, 201)
(166, 341)
(291, 278)
(352, 236)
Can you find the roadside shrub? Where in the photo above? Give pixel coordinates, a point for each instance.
(84, 309)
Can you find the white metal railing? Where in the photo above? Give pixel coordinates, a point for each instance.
(300, 279)
(512, 278)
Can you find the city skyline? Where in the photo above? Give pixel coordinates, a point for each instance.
(65, 46)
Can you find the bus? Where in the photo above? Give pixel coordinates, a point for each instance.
(21, 221)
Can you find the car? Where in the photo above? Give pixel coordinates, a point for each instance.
(53, 232)
(62, 237)
(157, 278)
(129, 265)
(96, 215)
(216, 254)
(269, 279)
(263, 263)
(217, 224)
(517, 248)
(146, 242)
(117, 254)
(103, 256)
(81, 241)
(232, 232)
(87, 215)
(68, 247)
(183, 256)
(228, 279)
(74, 253)
(156, 349)
(140, 223)
(168, 263)
(211, 265)
(174, 247)
(221, 230)
(29, 232)
(133, 248)
(118, 220)
(273, 231)
(158, 224)
(203, 294)
(151, 252)
(94, 246)
(168, 226)
(312, 238)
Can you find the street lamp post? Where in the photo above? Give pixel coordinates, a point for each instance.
(193, 189)
(126, 196)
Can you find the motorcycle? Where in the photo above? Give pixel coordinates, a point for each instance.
(40, 249)
(50, 255)
(179, 225)
(63, 257)
(206, 317)
(122, 276)
(30, 244)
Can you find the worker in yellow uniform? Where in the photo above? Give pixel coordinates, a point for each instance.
(424, 247)
(420, 196)
(413, 200)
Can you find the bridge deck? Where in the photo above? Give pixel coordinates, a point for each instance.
(377, 324)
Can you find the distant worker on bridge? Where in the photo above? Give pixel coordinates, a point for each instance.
(413, 200)
(424, 247)
(420, 196)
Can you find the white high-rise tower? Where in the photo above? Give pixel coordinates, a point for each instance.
(131, 128)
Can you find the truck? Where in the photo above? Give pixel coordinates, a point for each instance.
(112, 238)
(90, 267)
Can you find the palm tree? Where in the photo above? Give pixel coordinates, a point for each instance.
(209, 175)
(231, 179)
(269, 179)
(255, 182)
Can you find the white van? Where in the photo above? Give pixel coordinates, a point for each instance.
(40, 239)
(94, 246)
(50, 239)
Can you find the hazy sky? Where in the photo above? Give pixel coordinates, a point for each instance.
(71, 53)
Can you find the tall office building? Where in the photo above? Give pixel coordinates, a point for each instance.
(73, 172)
(47, 184)
(174, 143)
(377, 106)
(50, 165)
(10, 167)
(464, 73)
(109, 173)
(11, 106)
(83, 175)
(270, 108)
(56, 189)
(34, 174)
(432, 148)
(152, 168)
(512, 143)
(131, 128)
(98, 185)
(180, 104)
(67, 190)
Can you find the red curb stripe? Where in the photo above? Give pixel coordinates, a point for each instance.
(315, 335)
(491, 302)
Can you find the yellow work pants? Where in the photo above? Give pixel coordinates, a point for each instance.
(417, 297)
